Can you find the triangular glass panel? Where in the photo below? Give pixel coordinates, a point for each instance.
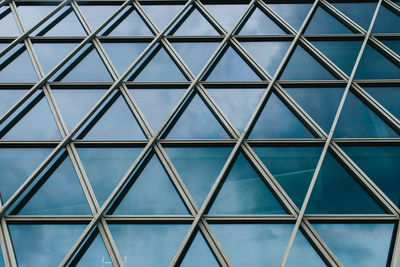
(374, 65)
(43, 244)
(160, 67)
(393, 44)
(294, 14)
(127, 24)
(8, 26)
(197, 122)
(194, 23)
(259, 23)
(337, 192)
(195, 54)
(161, 14)
(156, 104)
(268, 54)
(38, 120)
(50, 54)
(237, 103)
(97, 14)
(388, 97)
(123, 54)
(82, 100)
(358, 121)
(359, 12)
(295, 69)
(320, 103)
(342, 53)
(381, 164)
(65, 24)
(198, 167)
(244, 192)
(58, 192)
(150, 245)
(8, 97)
(386, 21)
(277, 121)
(227, 14)
(16, 66)
(324, 23)
(293, 167)
(117, 122)
(16, 165)
(31, 14)
(229, 66)
(105, 167)
(152, 193)
(359, 244)
(199, 254)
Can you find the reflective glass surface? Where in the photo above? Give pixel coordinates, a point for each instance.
(16, 66)
(323, 23)
(386, 21)
(50, 54)
(162, 14)
(96, 14)
(195, 24)
(69, 25)
(199, 254)
(8, 26)
(259, 23)
(303, 254)
(128, 23)
(393, 44)
(227, 15)
(386, 96)
(31, 15)
(9, 98)
(361, 13)
(292, 13)
(96, 254)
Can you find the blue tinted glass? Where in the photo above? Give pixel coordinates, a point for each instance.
(393, 44)
(361, 13)
(61, 193)
(295, 70)
(50, 54)
(337, 192)
(117, 122)
(195, 24)
(253, 245)
(139, 243)
(231, 67)
(30, 15)
(8, 98)
(343, 54)
(238, 104)
(8, 27)
(358, 244)
(123, 54)
(197, 122)
(95, 255)
(68, 26)
(292, 167)
(199, 254)
(2, 264)
(161, 14)
(47, 244)
(195, 54)
(277, 121)
(244, 192)
(97, 15)
(156, 104)
(198, 167)
(381, 164)
(16, 164)
(268, 54)
(20, 69)
(320, 103)
(105, 167)
(260, 23)
(374, 65)
(357, 120)
(292, 13)
(128, 23)
(227, 14)
(323, 22)
(151, 193)
(386, 96)
(386, 21)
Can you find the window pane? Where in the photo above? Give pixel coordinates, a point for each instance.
(68, 26)
(16, 66)
(227, 14)
(96, 254)
(259, 23)
(294, 14)
(199, 254)
(361, 13)
(161, 14)
(386, 21)
(32, 14)
(8, 98)
(8, 26)
(97, 14)
(50, 54)
(386, 96)
(195, 24)
(324, 23)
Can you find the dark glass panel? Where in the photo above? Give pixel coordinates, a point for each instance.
(227, 14)
(337, 192)
(361, 13)
(388, 97)
(381, 164)
(47, 244)
(198, 167)
(161, 14)
(31, 14)
(50, 54)
(268, 54)
(139, 243)
(231, 67)
(393, 44)
(8, 26)
(156, 104)
(237, 103)
(294, 14)
(303, 254)
(96, 14)
(197, 122)
(365, 245)
(244, 192)
(259, 23)
(19, 68)
(295, 69)
(195, 24)
(96, 254)
(151, 194)
(386, 21)
(199, 254)
(126, 24)
(324, 23)
(292, 167)
(8, 98)
(277, 121)
(357, 120)
(320, 103)
(106, 166)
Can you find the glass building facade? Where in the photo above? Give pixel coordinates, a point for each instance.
(199, 133)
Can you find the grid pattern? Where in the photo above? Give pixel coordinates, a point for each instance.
(206, 133)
